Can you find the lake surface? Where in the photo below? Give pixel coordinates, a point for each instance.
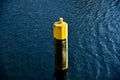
(26, 39)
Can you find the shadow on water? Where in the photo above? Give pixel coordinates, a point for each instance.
(1, 6)
(2, 67)
(2, 71)
(61, 74)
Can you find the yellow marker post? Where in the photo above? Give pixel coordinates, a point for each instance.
(60, 31)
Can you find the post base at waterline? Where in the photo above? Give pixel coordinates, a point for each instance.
(61, 74)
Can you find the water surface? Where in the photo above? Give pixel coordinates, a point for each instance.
(26, 38)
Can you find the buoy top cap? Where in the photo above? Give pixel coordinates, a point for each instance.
(60, 20)
(60, 29)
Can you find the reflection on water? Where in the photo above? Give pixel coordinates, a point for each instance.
(61, 74)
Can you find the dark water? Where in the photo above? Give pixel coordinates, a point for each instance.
(26, 38)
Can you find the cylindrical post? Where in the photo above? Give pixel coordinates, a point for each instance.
(60, 29)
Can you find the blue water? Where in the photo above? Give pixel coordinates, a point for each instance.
(26, 38)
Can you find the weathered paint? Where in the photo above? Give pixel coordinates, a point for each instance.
(61, 54)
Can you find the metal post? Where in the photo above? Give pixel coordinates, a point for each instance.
(60, 29)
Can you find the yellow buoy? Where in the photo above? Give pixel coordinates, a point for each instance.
(60, 31)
